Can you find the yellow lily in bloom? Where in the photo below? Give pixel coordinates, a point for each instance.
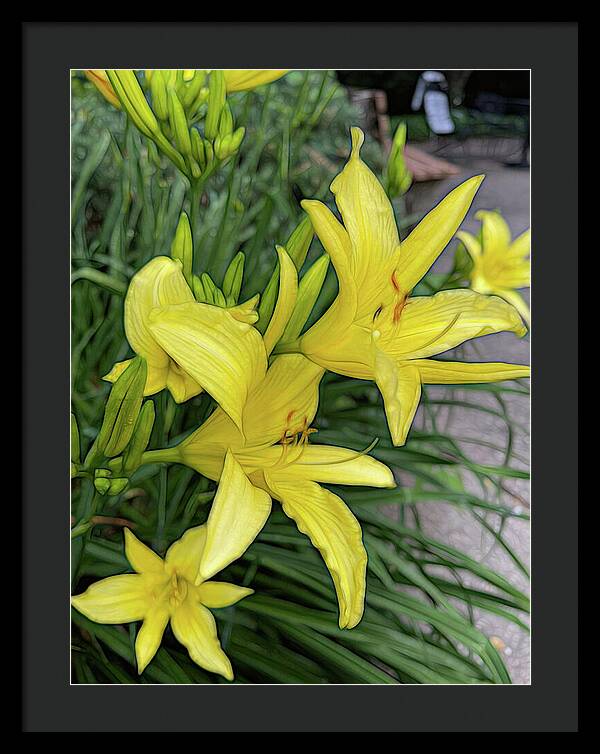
(374, 330)
(244, 80)
(99, 78)
(189, 346)
(275, 460)
(500, 265)
(161, 591)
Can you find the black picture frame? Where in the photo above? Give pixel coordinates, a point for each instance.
(50, 703)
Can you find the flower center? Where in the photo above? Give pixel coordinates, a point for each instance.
(178, 589)
(397, 303)
(295, 436)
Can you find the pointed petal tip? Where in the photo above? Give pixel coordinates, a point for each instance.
(473, 184)
(391, 485)
(358, 139)
(398, 437)
(349, 622)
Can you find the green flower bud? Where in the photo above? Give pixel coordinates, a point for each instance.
(198, 148)
(398, 176)
(216, 99)
(194, 168)
(122, 409)
(115, 465)
(75, 445)
(190, 92)
(116, 486)
(226, 121)
(178, 121)
(232, 282)
(131, 96)
(297, 248)
(198, 288)
(308, 292)
(141, 438)
(182, 247)
(210, 289)
(236, 139)
(102, 485)
(208, 151)
(158, 90)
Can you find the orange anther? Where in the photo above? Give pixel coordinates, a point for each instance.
(398, 311)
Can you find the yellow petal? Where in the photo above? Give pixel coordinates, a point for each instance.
(204, 450)
(521, 246)
(226, 357)
(246, 311)
(221, 594)
(436, 372)
(238, 513)
(400, 386)
(159, 283)
(181, 386)
(117, 599)
(335, 532)
(150, 635)
(141, 558)
(340, 315)
(350, 354)
(185, 554)
(285, 400)
(512, 273)
(367, 213)
(431, 236)
(332, 465)
(156, 378)
(243, 80)
(335, 240)
(286, 299)
(471, 244)
(117, 370)
(432, 324)
(516, 300)
(195, 628)
(495, 232)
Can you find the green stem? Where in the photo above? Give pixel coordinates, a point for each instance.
(197, 186)
(292, 346)
(163, 455)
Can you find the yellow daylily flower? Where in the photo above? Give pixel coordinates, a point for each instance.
(189, 346)
(500, 265)
(99, 78)
(244, 80)
(275, 460)
(374, 329)
(161, 591)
